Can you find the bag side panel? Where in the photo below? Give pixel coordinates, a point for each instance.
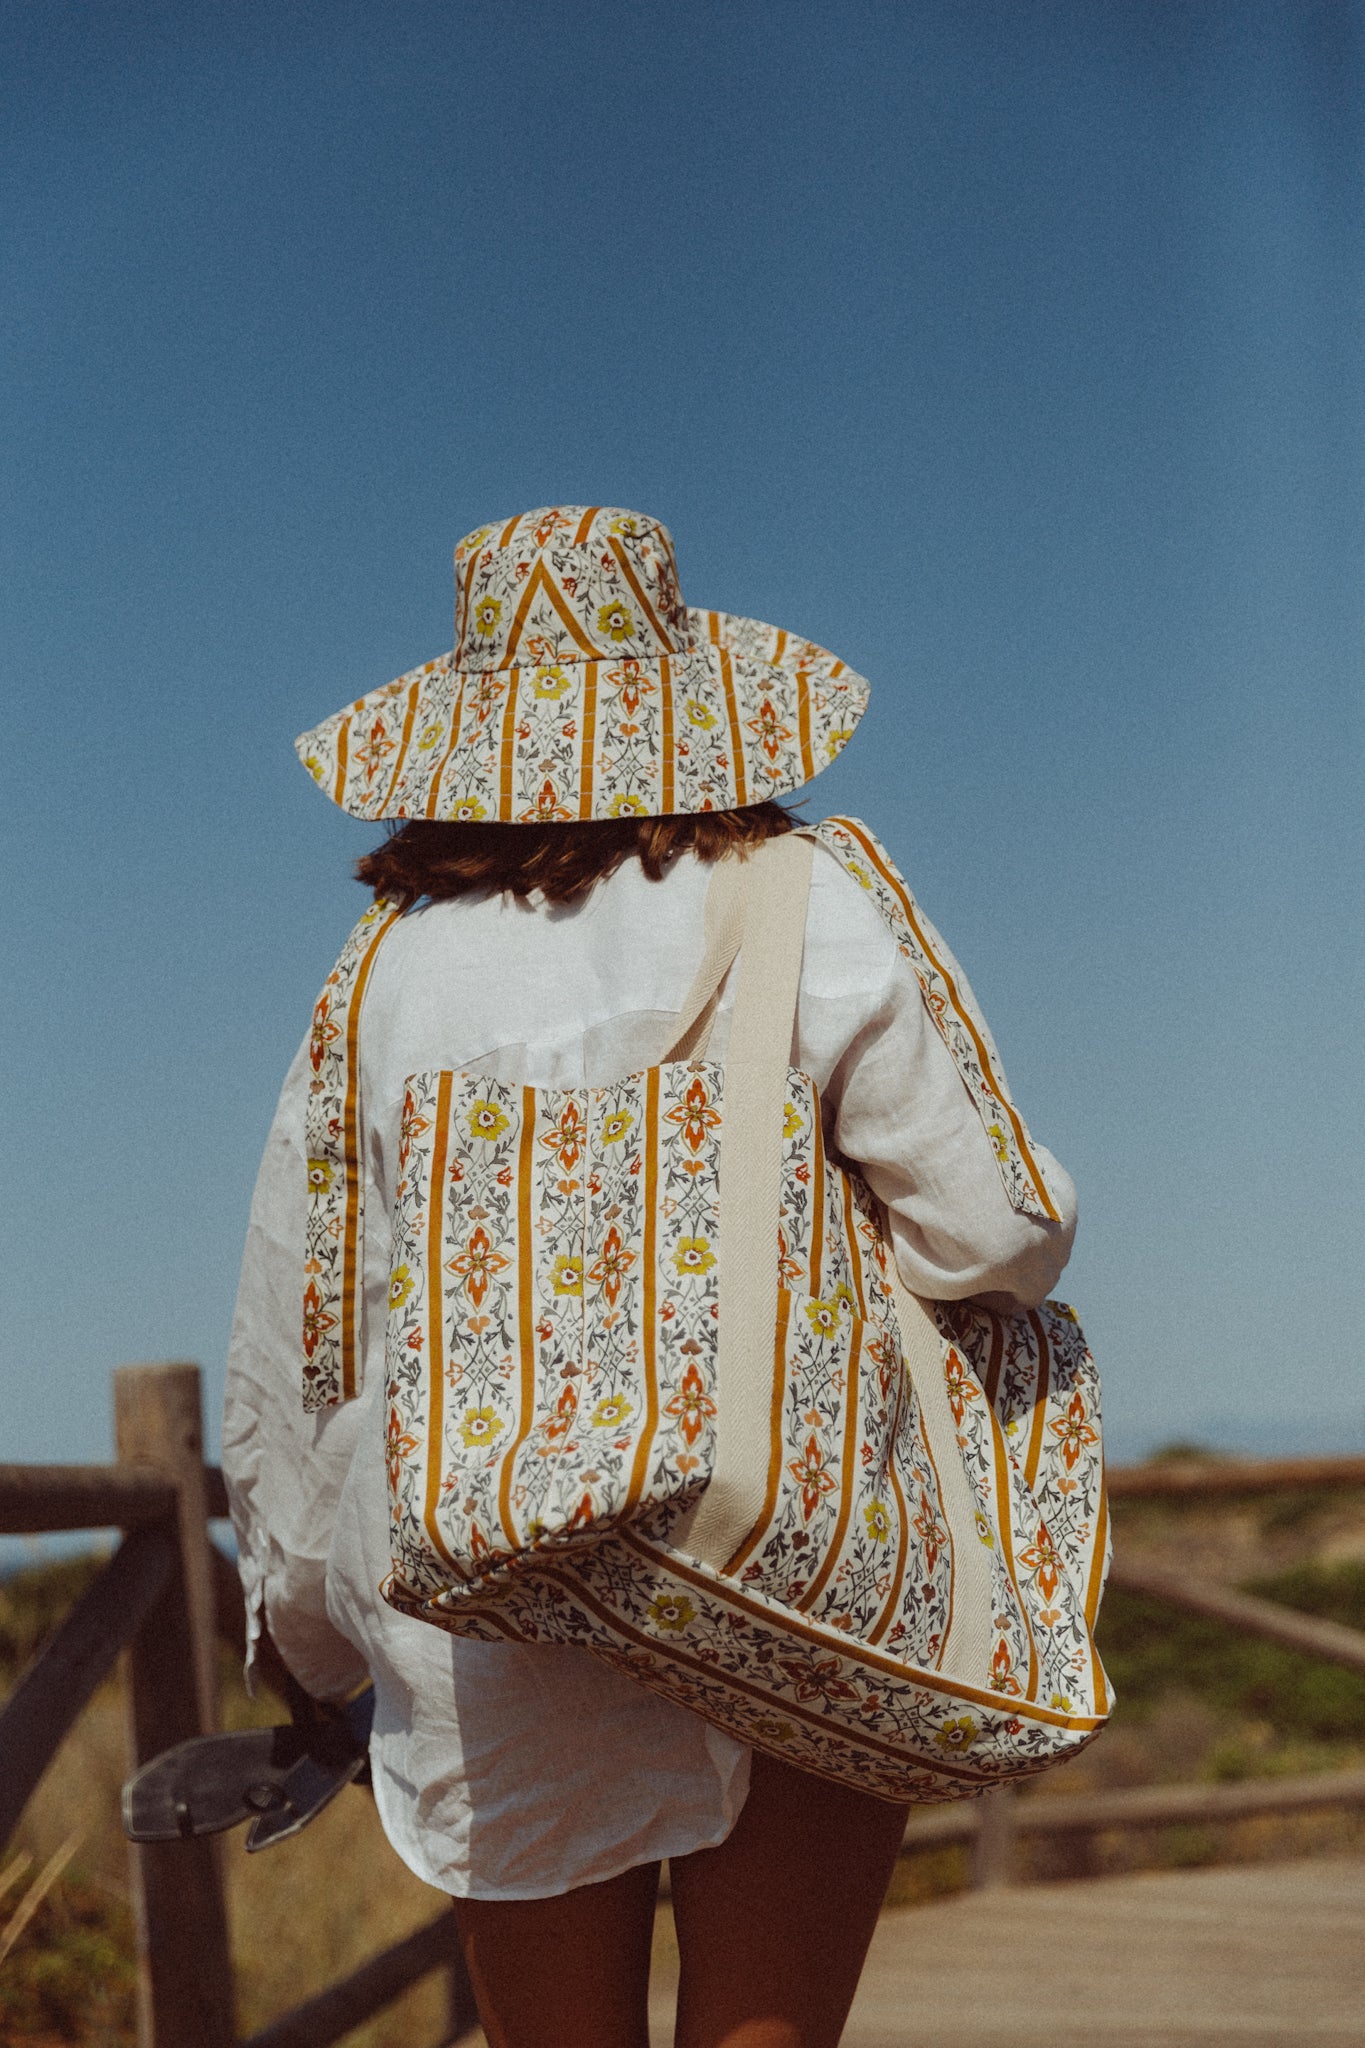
(1038, 1380)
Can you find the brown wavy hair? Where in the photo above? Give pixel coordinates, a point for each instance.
(438, 861)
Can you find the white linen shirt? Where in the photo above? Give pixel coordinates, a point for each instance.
(501, 1770)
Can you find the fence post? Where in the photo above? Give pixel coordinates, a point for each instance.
(993, 1851)
(185, 1994)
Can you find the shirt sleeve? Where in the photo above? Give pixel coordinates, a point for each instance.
(284, 1469)
(901, 1112)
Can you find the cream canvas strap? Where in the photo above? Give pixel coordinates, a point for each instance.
(724, 929)
(775, 885)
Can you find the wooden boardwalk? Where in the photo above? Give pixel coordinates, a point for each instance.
(1268, 1956)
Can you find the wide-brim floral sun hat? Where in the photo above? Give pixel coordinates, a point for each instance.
(581, 686)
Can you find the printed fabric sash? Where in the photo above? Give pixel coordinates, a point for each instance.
(333, 1291)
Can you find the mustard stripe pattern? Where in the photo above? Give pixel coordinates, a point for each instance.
(581, 686)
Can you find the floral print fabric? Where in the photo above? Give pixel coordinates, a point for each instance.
(551, 1407)
(333, 1299)
(581, 686)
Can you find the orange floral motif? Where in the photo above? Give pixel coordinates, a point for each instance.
(962, 1388)
(788, 1268)
(691, 1407)
(316, 1323)
(1041, 1559)
(411, 1127)
(613, 1263)
(1002, 1670)
(769, 729)
(931, 1531)
(634, 683)
(374, 751)
(1073, 1432)
(547, 807)
(323, 1033)
(695, 1116)
(813, 1476)
(399, 1444)
(819, 1679)
(477, 1264)
(565, 1141)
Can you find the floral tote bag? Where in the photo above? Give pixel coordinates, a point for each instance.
(654, 1385)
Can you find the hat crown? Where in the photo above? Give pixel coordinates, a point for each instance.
(568, 583)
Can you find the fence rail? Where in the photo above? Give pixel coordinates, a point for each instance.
(168, 1595)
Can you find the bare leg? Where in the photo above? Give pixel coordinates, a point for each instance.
(773, 1924)
(571, 1972)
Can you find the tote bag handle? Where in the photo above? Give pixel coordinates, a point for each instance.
(775, 888)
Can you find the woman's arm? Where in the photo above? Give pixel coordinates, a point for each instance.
(898, 1107)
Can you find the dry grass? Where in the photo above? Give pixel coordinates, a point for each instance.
(302, 1915)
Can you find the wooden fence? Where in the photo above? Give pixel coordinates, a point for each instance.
(168, 1595)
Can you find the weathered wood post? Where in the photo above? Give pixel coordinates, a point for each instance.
(993, 1851)
(185, 1994)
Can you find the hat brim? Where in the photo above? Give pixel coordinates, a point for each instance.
(748, 714)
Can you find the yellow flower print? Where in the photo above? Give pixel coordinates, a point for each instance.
(672, 1611)
(767, 1728)
(837, 741)
(859, 873)
(616, 621)
(824, 1317)
(985, 1534)
(1000, 1143)
(430, 736)
(568, 1275)
(699, 714)
(612, 1412)
(878, 1521)
(480, 1426)
(626, 807)
(550, 682)
(844, 1294)
(467, 810)
(315, 768)
(486, 1120)
(1060, 1703)
(616, 1126)
(401, 1284)
(472, 542)
(626, 525)
(793, 1121)
(321, 1174)
(486, 615)
(957, 1735)
(694, 1255)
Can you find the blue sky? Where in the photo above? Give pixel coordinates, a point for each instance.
(1013, 352)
